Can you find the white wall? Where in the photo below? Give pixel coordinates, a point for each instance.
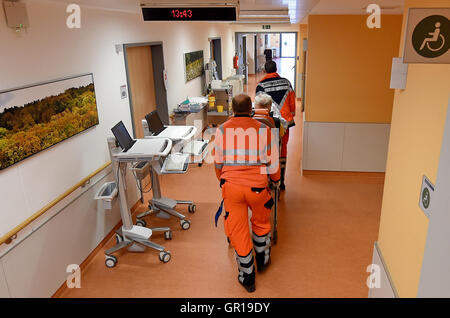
(49, 50)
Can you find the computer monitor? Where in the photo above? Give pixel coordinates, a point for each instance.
(155, 125)
(122, 136)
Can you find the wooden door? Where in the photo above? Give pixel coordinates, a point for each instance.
(142, 85)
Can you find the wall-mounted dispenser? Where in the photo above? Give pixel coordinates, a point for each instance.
(16, 15)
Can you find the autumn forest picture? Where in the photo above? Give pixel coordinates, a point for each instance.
(35, 118)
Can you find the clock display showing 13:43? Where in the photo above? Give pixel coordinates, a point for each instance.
(182, 13)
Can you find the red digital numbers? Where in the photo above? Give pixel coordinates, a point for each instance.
(182, 14)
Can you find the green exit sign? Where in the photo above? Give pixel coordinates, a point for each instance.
(266, 27)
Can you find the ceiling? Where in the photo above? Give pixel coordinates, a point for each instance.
(357, 6)
(298, 9)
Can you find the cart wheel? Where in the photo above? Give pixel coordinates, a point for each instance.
(192, 208)
(119, 239)
(164, 256)
(168, 235)
(185, 224)
(110, 261)
(142, 223)
(275, 237)
(200, 164)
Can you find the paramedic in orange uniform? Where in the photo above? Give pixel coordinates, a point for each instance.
(283, 96)
(245, 153)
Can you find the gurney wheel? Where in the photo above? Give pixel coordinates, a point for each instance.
(164, 256)
(119, 239)
(192, 208)
(168, 235)
(141, 223)
(200, 164)
(185, 224)
(110, 261)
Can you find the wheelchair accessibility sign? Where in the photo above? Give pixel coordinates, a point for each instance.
(426, 195)
(428, 36)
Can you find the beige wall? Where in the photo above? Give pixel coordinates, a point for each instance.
(415, 142)
(349, 68)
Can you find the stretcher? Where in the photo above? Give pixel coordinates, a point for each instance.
(276, 195)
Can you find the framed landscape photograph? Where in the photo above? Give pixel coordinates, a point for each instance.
(193, 65)
(36, 117)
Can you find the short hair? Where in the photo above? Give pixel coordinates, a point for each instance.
(241, 104)
(264, 100)
(270, 67)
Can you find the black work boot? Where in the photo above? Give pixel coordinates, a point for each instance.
(262, 249)
(246, 275)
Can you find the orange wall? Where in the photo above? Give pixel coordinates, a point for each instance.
(349, 67)
(417, 129)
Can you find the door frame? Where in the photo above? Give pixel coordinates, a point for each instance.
(236, 41)
(210, 40)
(159, 107)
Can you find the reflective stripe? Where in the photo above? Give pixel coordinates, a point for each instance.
(259, 238)
(241, 152)
(260, 249)
(245, 259)
(243, 163)
(242, 261)
(284, 98)
(278, 88)
(281, 81)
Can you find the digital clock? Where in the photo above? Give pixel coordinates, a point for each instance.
(190, 14)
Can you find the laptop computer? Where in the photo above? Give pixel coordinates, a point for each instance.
(132, 148)
(157, 128)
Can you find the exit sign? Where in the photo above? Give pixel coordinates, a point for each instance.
(266, 27)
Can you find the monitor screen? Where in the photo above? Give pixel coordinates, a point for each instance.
(155, 125)
(122, 135)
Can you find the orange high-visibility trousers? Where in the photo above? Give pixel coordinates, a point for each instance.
(237, 200)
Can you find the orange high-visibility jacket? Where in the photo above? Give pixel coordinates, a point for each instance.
(282, 94)
(245, 152)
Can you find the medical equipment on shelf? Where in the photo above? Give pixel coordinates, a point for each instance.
(134, 237)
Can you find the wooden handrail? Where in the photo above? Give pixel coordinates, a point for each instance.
(8, 237)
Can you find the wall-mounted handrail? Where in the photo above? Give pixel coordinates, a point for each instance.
(8, 237)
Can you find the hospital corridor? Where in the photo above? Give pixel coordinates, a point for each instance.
(244, 155)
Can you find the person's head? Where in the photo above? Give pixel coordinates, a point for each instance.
(270, 67)
(263, 101)
(438, 24)
(242, 104)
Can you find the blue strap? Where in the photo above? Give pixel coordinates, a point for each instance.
(219, 212)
